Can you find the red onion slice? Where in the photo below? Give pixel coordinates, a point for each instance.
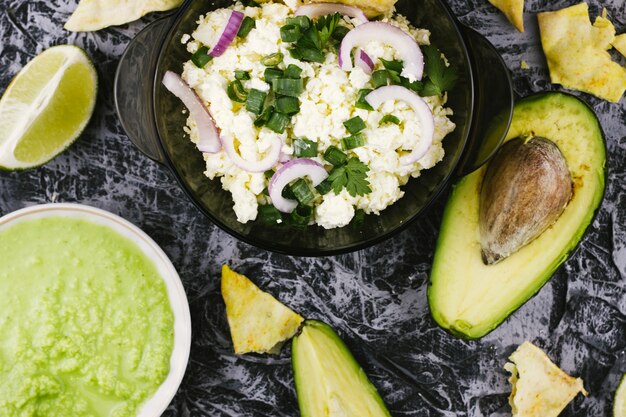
(419, 106)
(406, 47)
(208, 136)
(265, 164)
(363, 61)
(314, 10)
(294, 169)
(229, 33)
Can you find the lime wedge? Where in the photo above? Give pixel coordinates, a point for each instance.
(619, 402)
(46, 107)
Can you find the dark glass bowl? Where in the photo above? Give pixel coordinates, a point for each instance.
(153, 120)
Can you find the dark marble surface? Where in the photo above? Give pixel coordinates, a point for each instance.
(376, 298)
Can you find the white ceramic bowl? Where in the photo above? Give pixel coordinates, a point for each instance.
(155, 406)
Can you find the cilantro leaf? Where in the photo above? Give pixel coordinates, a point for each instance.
(352, 176)
(440, 77)
(326, 26)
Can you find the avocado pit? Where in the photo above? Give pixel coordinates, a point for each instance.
(525, 189)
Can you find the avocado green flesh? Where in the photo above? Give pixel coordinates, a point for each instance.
(329, 381)
(470, 298)
(86, 323)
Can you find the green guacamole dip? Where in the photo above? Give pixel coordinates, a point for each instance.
(87, 327)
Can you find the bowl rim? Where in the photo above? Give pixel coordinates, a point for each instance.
(160, 400)
(286, 249)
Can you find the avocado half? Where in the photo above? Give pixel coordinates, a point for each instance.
(468, 297)
(329, 381)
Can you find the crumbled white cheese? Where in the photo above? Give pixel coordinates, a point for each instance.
(327, 102)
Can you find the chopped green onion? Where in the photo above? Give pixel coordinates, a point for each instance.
(269, 214)
(290, 33)
(389, 118)
(392, 65)
(288, 86)
(302, 215)
(201, 57)
(335, 156)
(287, 105)
(304, 148)
(340, 32)
(271, 74)
(311, 55)
(269, 174)
(247, 24)
(359, 217)
(295, 53)
(303, 21)
(360, 101)
(272, 60)
(278, 122)
(236, 92)
(395, 77)
(264, 117)
(288, 194)
(354, 125)
(379, 78)
(353, 141)
(324, 187)
(293, 71)
(302, 191)
(242, 75)
(250, 3)
(255, 101)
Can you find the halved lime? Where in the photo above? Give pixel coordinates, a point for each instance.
(46, 107)
(619, 402)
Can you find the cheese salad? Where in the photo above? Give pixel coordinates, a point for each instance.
(328, 100)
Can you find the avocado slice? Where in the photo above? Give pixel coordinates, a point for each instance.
(468, 297)
(329, 381)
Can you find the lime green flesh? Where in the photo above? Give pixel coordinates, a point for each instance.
(329, 381)
(619, 402)
(470, 298)
(46, 107)
(86, 323)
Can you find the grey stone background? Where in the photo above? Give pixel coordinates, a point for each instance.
(375, 298)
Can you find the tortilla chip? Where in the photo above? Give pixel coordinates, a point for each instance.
(540, 388)
(513, 10)
(93, 15)
(619, 43)
(371, 8)
(577, 52)
(258, 322)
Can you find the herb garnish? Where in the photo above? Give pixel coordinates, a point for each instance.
(312, 37)
(352, 176)
(440, 77)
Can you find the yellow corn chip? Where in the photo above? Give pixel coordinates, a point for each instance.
(258, 322)
(577, 52)
(540, 388)
(93, 15)
(619, 43)
(513, 10)
(371, 8)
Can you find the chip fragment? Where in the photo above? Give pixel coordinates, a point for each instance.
(513, 10)
(371, 8)
(258, 322)
(577, 52)
(619, 43)
(539, 387)
(91, 15)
